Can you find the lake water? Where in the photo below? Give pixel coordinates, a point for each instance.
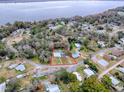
(30, 11)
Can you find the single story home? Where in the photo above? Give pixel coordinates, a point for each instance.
(114, 81)
(58, 53)
(101, 43)
(121, 69)
(88, 72)
(78, 76)
(12, 66)
(2, 87)
(103, 63)
(117, 52)
(51, 87)
(76, 54)
(20, 67)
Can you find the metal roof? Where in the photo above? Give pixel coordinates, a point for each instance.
(20, 67)
(114, 80)
(103, 62)
(88, 72)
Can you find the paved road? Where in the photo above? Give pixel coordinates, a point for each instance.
(109, 69)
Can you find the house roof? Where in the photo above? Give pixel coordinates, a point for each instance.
(51, 87)
(20, 67)
(88, 72)
(78, 76)
(103, 62)
(2, 87)
(75, 54)
(121, 69)
(114, 80)
(117, 52)
(12, 66)
(58, 53)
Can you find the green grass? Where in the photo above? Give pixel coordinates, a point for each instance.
(19, 72)
(36, 58)
(58, 61)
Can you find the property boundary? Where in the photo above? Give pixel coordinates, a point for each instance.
(74, 61)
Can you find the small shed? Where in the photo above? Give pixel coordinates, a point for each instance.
(88, 72)
(20, 76)
(20, 67)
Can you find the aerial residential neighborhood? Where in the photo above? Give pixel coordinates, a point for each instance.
(75, 54)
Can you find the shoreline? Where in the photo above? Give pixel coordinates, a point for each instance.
(28, 1)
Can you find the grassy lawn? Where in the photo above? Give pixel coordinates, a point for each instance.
(58, 61)
(36, 59)
(19, 72)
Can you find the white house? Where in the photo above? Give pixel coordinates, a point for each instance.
(103, 63)
(78, 76)
(2, 87)
(101, 43)
(12, 66)
(20, 67)
(88, 72)
(121, 69)
(114, 81)
(51, 87)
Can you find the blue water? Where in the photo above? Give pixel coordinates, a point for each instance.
(30, 11)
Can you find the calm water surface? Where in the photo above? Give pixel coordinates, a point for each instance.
(30, 11)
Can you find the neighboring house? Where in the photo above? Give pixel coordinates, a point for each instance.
(20, 67)
(107, 57)
(116, 84)
(2, 87)
(78, 76)
(103, 63)
(117, 52)
(121, 69)
(122, 41)
(101, 43)
(100, 31)
(51, 87)
(88, 72)
(114, 81)
(76, 54)
(12, 66)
